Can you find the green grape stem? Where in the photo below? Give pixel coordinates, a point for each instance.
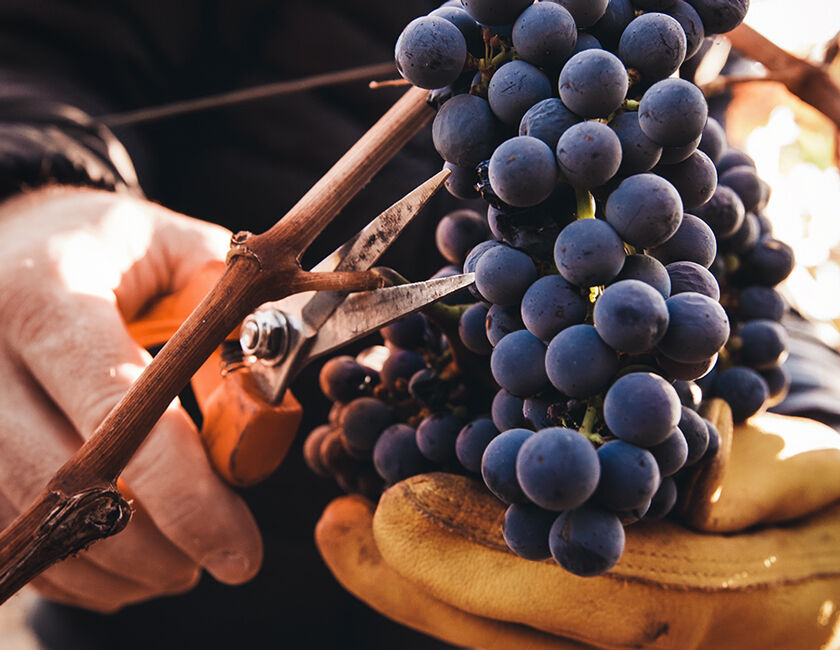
(585, 204)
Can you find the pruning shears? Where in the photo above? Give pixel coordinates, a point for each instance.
(249, 415)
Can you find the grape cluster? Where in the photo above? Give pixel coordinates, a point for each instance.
(749, 374)
(403, 408)
(622, 257)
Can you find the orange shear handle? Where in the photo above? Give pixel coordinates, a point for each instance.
(246, 438)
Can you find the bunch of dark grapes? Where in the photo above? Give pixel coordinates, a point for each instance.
(750, 262)
(401, 409)
(598, 267)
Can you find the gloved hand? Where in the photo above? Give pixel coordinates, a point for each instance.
(76, 265)
(433, 558)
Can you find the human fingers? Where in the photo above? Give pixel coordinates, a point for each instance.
(77, 348)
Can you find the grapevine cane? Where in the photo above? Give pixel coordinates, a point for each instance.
(81, 502)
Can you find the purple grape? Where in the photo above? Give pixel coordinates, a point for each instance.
(593, 83)
(498, 465)
(518, 363)
(629, 476)
(396, 456)
(552, 304)
(579, 363)
(436, 436)
(587, 541)
(523, 171)
(471, 442)
(588, 154)
(648, 270)
(588, 252)
(689, 276)
(501, 321)
(697, 328)
(642, 408)
(514, 88)
(430, 52)
(458, 232)
(526, 530)
(654, 44)
(545, 34)
(506, 411)
(557, 468)
(503, 274)
(631, 317)
(645, 210)
(673, 112)
(465, 131)
(547, 120)
(693, 241)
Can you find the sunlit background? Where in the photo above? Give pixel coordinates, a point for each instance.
(795, 151)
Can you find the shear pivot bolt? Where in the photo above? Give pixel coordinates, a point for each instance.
(263, 334)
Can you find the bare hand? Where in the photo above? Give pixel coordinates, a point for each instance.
(75, 265)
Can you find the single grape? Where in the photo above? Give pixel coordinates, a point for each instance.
(471, 442)
(461, 181)
(685, 371)
(638, 152)
(689, 276)
(778, 383)
(693, 241)
(407, 332)
(690, 395)
(584, 41)
(671, 453)
(495, 12)
(312, 449)
(642, 408)
(507, 412)
(646, 269)
(732, 157)
(396, 456)
(680, 153)
(745, 238)
(472, 330)
(545, 34)
(588, 252)
(631, 316)
(763, 344)
(465, 131)
(696, 435)
(713, 140)
(557, 468)
(746, 184)
(503, 274)
(587, 541)
(523, 171)
(654, 44)
(514, 88)
(768, 264)
(458, 232)
(673, 112)
(518, 363)
(743, 389)
(363, 421)
(547, 120)
(342, 379)
(724, 212)
(588, 154)
(436, 436)
(430, 52)
(467, 25)
(593, 83)
(526, 529)
(691, 23)
(501, 321)
(697, 329)
(579, 363)
(629, 476)
(664, 500)
(498, 465)
(610, 26)
(399, 367)
(720, 16)
(552, 304)
(585, 12)
(714, 440)
(645, 210)
(695, 179)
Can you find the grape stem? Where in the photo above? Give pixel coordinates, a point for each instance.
(630, 105)
(585, 204)
(590, 419)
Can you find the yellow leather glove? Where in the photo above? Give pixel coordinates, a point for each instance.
(433, 558)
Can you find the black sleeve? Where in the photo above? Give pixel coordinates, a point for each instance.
(61, 64)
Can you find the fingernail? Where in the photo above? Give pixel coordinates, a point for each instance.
(228, 566)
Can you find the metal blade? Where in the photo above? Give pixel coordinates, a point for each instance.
(362, 313)
(361, 251)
